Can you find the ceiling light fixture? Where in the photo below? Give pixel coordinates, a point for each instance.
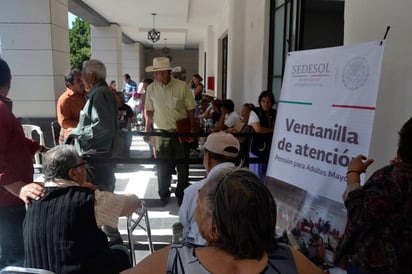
(165, 49)
(153, 34)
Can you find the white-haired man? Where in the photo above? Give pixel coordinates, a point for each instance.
(98, 129)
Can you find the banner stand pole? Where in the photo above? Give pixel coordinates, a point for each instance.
(386, 34)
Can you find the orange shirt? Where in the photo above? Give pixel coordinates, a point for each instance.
(69, 106)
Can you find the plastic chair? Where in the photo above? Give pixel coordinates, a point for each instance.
(18, 270)
(140, 214)
(28, 132)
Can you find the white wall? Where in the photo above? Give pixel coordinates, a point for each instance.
(256, 42)
(367, 20)
(246, 24)
(106, 46)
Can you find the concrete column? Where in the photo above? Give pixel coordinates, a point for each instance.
(106, 44)
(34, 40)
(236, 49)
(133, 61)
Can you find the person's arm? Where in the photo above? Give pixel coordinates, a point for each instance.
(193, 125)
(254, 122)
(304, 265)
(259, 129)
(109, 206)
(356, 167)
(25, 191)
(198, 90)
(148, 115)
(155, 263)
(132, 202)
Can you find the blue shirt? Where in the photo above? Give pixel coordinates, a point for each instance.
(187, 209)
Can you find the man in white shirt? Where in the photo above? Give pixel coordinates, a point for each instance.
(221, 151)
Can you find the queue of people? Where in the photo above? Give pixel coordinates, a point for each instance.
(228, 218)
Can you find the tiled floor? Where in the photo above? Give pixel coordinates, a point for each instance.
(142, 181)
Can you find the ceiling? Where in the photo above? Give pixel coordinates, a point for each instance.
(182, 23)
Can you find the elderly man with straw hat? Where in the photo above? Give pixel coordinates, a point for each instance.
(169, 101)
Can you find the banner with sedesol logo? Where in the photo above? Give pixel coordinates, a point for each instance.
(324, 119)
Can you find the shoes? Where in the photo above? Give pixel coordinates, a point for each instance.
(117, 241)
(179, 199)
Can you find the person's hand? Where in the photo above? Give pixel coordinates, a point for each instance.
(32, 191)
(359, 164)
(395, 160)
(43, 149)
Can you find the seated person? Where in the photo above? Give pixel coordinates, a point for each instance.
(236, 214)
(61, 229)
(220, 152)
(125, 125)
(229, 117)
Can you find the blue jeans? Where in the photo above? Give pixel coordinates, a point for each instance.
(258, 168)
(11, 235)
(125, 141)
(353, 269)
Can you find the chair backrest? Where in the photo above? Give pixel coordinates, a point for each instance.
(28, 132)
(55, 129)
(20, 270)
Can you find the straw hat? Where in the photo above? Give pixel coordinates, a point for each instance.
(210, 93)
(159, 64)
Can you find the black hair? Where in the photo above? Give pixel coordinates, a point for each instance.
(126, 75)
(268, 94)
(69, 77)
(197, 76)
(148, 81)
(228, 104)
(5, 74)
(405, 142)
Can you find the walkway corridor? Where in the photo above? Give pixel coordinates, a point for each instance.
(142, 181)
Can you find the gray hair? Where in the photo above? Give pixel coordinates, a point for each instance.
(95, 67)
(243, 213)
(58, 161)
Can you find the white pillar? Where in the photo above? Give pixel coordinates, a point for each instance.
(133, 61)
(106, 46)
(35, 43)
(236, 51)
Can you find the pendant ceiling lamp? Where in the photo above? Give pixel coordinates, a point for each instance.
(153, 35)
